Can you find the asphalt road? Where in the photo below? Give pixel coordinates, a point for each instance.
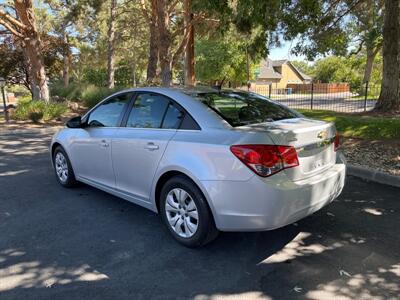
(82, 243)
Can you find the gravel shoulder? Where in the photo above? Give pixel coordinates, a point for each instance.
(381, 155)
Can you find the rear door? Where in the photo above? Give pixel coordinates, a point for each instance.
(139, 146)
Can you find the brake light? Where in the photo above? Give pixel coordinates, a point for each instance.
(336, 142)
(266, 160)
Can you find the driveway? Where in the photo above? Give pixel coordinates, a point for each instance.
(82, 243)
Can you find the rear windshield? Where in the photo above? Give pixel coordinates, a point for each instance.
(242, 108)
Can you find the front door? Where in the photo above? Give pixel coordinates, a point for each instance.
(91, 146)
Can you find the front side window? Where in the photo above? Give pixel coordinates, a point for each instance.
(241, 108)
(148, 111)
(109, 113)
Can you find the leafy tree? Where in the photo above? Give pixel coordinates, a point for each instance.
(14, 66)
(222, 57)
(169, 31)
(333, 69)
(63, 19)
(330, 27)
(20, 21)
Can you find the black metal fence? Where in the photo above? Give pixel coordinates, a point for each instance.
(347, 100)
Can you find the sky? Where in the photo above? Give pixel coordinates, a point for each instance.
(283, 52)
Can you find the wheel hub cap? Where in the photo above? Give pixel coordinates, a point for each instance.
(182, 213)
(61, 167)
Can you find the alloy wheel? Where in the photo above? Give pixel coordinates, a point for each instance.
(61, 167)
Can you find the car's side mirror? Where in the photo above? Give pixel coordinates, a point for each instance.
(75, 122)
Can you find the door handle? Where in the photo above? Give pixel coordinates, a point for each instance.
(151, 146)
(104, 144)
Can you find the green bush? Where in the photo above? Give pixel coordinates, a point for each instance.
(38, 110)
(94, 94)
(96, 77)
(72, 92)
(24, 99)
(89, 94)
(19, 90)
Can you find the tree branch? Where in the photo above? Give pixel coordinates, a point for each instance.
(181, 47)
(172, 7)
(358, 49)
(10, 20)
(5, 32)
(145, 10)
(351, 7)
(11, 29)
(196, 19)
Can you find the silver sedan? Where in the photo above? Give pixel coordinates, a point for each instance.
(206, 160)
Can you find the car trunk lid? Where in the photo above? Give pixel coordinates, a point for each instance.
(313, 140)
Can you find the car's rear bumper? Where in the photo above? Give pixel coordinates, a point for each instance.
(265, 204)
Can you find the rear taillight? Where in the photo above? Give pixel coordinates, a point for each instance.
(336, 142)
(266, 160)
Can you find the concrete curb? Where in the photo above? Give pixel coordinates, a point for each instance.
(30, 131)
(373, 175)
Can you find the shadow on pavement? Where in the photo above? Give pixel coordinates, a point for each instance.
(76, 243)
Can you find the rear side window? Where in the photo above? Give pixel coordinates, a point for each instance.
(173, 118)
(241, 108)
(148, 111)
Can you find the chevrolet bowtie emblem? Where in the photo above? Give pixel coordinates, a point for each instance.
(322, 134)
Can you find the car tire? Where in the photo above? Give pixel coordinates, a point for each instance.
(63, 168)
(179, 213)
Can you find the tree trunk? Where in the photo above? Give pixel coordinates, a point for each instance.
(371, 53)
(189, 50)
(134, 70)
(390, 91)
(164, 43)
(66, 58)
(111, 45)
(33, 48)
(153, 50)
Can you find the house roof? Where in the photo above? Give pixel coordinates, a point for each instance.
(278, 63)
(305, 76)
(267, 70)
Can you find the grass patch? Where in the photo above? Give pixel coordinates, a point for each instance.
(361, 97)
(357, 126)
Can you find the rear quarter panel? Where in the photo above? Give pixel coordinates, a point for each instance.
(205, 155)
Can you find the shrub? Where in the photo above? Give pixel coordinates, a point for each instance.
(89, 94)
(94, 94)
(38, 110)
(19, 90)
(35, 115)
(72, 92)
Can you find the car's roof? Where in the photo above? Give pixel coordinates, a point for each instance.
(188, 90)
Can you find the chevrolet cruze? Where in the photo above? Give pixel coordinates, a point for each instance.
(206, 160)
